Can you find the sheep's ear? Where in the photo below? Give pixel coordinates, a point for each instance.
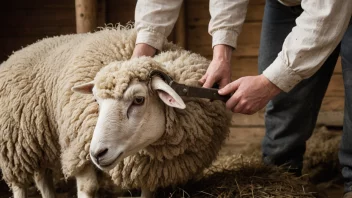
(167, 94)
(85, 88)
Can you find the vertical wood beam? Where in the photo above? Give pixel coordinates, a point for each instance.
(101, 13)
(180, 28)
(86, 15)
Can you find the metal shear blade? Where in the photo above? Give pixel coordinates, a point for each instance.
(190, 91)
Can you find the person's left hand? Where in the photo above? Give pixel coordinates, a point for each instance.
(252, 93)
(219, 70)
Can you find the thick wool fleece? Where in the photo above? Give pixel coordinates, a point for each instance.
(193, 136)
(41, 119)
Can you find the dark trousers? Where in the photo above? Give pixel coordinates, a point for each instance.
(290, 117)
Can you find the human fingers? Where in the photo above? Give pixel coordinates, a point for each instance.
(239, 108)
(232, 102)
(209, 82)
(223, 82)
(203, 79)
(230, 88)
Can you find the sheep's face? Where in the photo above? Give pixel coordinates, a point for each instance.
(127, 125)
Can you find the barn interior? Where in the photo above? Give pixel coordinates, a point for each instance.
(24, 22)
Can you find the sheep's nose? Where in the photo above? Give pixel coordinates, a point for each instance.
(99, 154)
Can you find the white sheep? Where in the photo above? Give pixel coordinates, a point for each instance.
(42, 123)
(144, 133)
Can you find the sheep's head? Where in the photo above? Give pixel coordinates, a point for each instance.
(130, 121)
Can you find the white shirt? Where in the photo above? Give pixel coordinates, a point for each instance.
(318, 31)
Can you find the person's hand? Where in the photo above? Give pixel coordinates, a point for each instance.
(143, 49)
(219, 70)
(252, 93)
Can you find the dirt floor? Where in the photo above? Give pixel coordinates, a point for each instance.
(321, 160)
(248, 143)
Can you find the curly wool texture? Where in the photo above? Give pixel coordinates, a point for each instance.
(41, 119)
(193, 136)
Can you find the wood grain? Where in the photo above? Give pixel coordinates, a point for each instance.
(86, 15)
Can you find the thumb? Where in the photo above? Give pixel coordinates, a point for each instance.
(230, 88)
(209, 82)
(202, 80)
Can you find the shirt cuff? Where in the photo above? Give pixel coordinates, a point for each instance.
(281, 75)
(225, 37)
(152, 38)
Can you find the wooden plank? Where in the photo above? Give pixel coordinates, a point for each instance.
(15, 43)
(199, 40)
(44, 31)
(121, 11)
(338, 67)
(180, 28)
(243, 66)
(37, 17)
(250, 34)
(113, 4)
(198, 13)
(101, 13)
(257, 2)
(86, 15)
(332, 104)
(336, 86)
(255, 13)
(14, 5)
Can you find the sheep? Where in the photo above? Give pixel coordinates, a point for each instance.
(144, 136)
(44, 126)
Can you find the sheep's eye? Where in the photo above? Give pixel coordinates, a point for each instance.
(138, 100)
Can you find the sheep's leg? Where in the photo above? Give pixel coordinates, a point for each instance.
(19, 192)
(87, 182)
(146, 193)
(44, 182)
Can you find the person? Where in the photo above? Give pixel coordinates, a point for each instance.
(299, 46)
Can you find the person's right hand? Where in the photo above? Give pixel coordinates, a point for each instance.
(142, 49)
(219, 70)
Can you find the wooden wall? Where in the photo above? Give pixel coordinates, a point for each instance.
(23, 22)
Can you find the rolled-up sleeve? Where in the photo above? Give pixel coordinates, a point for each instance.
(318, 31)
(227, 18)
(154, 20)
